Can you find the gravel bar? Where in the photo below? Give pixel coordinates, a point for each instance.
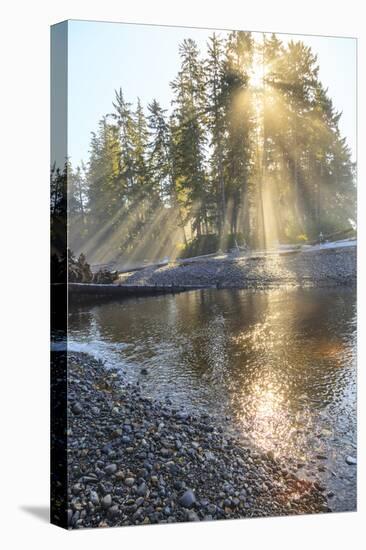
(133, 461)
(313, 268)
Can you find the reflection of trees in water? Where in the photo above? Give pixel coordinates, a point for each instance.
(294, 344)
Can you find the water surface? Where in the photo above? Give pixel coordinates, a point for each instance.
(280, 363)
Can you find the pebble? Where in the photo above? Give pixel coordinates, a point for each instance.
(113, 511)
(146, 462)
(107, 501)
(319, 267)
(77, 408)
(187, 499)
(129, 481)
(192, 516)
(94, 498)
(141, 489)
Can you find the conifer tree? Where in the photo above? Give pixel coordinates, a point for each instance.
(214, 69)
(189, 136)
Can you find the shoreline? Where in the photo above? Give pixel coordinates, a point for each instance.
(307, 268)
(134, 460)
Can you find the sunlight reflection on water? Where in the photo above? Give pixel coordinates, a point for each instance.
(281, 363)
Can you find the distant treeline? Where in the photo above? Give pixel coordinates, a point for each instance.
(250, 146)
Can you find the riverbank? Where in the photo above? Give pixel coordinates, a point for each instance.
(133, 460)
(316, 267)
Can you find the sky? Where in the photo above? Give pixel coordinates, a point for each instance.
(144, 59)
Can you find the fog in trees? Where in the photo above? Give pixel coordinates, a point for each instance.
(249, 151)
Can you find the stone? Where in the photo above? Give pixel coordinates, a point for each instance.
(192, 516)
(113, 511)
(94, 498)
(143, 371)
(111, 469)
(211, 509)
(141, 489)
(187, 499)
(107, 501)
(76, 489)
(129, 481)
(77, 408)
(352, 461)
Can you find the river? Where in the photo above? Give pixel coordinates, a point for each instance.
(280, 364)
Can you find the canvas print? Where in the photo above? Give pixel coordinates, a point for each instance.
(203, 262)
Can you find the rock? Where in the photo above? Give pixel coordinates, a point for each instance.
(144, 463)
(129, 481)
(111, 469)
(211, 509)
(187, 499)
(113, 511)
(182, 415)
(94, 498)
(77, 408)
(210, 456)
(165, 452)
(107, 501)
(352, 461)
(76, 489)
(75, 517)
(192, 516)
(141, 489)
(143, 371)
